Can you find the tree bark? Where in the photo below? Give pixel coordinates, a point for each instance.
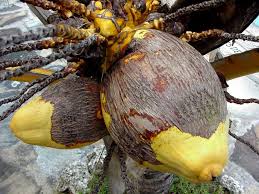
(140, 179)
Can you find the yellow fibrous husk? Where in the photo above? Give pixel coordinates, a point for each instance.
(32, 124)
(198, 159)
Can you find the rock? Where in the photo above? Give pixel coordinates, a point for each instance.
(19, 172)
(7, 3)
(245, 157)
(231, 184)
(75, 176)
(15, 14)
(256, 130)
(242, 173)
(238, 180)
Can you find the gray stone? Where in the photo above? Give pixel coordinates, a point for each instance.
(11, 18)
(231, 184)
(20, 172)
(4, 4)
(245, 157)
(241, 174)
(75, 176)
(238, 180)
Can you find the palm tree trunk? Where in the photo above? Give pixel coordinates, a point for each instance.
(238, 65)
(139, 180)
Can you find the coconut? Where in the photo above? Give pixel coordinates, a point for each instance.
(66, 115)
(163, 104)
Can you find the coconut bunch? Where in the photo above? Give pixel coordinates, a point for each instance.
(162, 103)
